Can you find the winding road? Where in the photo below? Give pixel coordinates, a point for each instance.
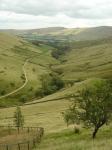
(20, 88)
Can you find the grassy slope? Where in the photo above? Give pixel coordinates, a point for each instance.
(57, 136)
(67, 140)
(46, 114)
(86, 61)
(13, 53)
(82, 34)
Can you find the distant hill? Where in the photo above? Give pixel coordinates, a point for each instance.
(41, 31)
(59, 33)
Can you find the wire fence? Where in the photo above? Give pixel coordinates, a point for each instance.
(24, 144)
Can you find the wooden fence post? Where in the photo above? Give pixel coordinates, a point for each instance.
(34, 143)
(28, 130)
(7, 147)
(36, 138)
(28, 145)
(19, 148)
(9, 130)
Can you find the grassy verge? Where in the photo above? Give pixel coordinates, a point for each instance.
(68, 140)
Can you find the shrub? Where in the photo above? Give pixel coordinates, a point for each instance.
(23, 98)
(3, 92)
(12, 84)
(93, 107)
(76, 129)
(33, 69)
(31, 89)
(50, 84)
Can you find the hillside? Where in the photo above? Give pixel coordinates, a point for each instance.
(19, 58)
(41, 31)
(82, 34)
(21, 63)
(86, 60)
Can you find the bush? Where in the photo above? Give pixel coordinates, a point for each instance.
(23, 77)
(12, 84)
(39, 93)
(31, 89)
(50, 84)
(36, 43)
(3, 92)
(61, 49)
(76, 129)
(33, 69)
(23, 99)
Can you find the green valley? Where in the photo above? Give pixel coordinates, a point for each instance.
(84, 59)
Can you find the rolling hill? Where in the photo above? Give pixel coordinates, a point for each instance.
(21, 61)
(61, 33)
(88, 61)
(85, 60)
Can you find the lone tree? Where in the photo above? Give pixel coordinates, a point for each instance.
(93, 107)
(18, 118)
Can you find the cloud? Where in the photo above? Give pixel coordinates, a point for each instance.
(71, 8)
(43, 13)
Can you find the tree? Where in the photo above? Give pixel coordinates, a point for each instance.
(50, 84)
(93, 107)
(18, 118)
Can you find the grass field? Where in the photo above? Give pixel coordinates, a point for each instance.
(68, 140)
(46, 112)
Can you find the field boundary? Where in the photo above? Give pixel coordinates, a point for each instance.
(27, 144)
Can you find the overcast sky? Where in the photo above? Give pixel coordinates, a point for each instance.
(23, 14)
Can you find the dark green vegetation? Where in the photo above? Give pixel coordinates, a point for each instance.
(50, 83)
(93, 107)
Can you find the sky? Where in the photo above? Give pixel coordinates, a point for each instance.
(30, 14)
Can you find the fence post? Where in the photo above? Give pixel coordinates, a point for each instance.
(9, 129)
(28, 145)
(34, 144)
(18, 129)
(7, 147)
(19, 148)
(28, 130)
